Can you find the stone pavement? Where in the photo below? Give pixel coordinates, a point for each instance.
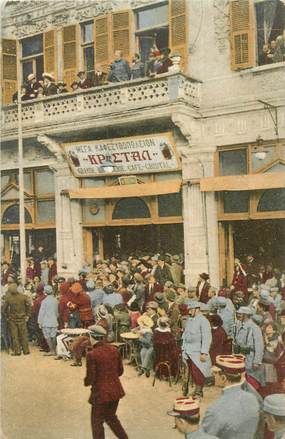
(45, 399)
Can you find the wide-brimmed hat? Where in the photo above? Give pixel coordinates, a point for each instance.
(232, 364)
(204, 276)
(30, 77)
(101, 311)
(185, 407)
(47, 76)
(144, 320)
(76, 288)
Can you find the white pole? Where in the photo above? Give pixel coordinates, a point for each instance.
(21, 177)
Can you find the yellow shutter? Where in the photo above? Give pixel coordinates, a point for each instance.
(50, 53)
(241, 34)
(70, 62)
(121, 33)
(9, 70)
(102, 43)
(178, 34)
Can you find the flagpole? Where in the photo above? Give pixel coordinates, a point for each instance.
(21, 177)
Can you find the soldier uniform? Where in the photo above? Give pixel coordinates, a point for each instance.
(235, 414)
(17, 309)
(197, 339)
(248, 341)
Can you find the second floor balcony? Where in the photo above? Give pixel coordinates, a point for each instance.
(84, 107)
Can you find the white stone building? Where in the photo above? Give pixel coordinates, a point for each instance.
(207, 195)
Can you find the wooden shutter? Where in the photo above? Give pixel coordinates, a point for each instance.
(50, 53)
(121, 33)
(70, 62)
(241, 34)
(9, 70)
(178, 35)
(102, 43)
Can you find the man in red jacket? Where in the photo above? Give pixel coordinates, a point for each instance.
(104, 367)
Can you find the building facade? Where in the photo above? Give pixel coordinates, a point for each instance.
(190, 161)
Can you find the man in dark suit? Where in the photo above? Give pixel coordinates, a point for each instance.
(203, 287)
(104, 367)
(162, 272)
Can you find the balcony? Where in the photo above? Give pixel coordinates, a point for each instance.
(82, 108)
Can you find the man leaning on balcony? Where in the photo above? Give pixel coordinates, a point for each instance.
(119, 69)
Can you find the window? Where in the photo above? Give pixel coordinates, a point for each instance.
(12, 215)
(128, 208)
(169, 205)
(32, 56)
(233, 162)
(44, 182)
(272, 200)
(46, 211)
(270, 24)
(152, 28)
(236, 201)
(87, 44)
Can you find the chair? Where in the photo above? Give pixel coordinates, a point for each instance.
(157, 370)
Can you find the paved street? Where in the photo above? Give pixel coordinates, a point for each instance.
(46, 399)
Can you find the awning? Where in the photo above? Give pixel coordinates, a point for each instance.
(129, 190)
(243, 182)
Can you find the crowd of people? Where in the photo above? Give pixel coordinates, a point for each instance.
(273, 51)
(120, 70)
(232, 337)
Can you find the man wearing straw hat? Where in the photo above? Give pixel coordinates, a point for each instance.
(49, 86)
(236, 413)
(186, 412)
(103, 368)
(197, 339)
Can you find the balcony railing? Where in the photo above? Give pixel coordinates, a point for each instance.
(104, 100)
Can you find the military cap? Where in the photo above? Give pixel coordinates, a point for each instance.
(245, 310)
(221, 301)
(185, 407)
(275, 404)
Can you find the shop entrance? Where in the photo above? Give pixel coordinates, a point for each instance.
(141, 240)
(264, 239)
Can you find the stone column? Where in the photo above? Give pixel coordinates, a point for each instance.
(69, 231)
(69, 234)
(200, 220)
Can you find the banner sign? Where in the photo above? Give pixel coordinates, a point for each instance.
(141, 154)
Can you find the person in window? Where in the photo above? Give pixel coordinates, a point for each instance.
(271, 51)
(50, 87)
(40, 92)
(279, 54)
(100, 77)
(119, 69)
(263, 58)
(83, 82)
(137, 67)
(61, 87)
(32, 86)
(24, 95)
(165, 61)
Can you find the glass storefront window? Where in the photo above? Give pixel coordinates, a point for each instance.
(236, 201)
(233, 162)
(44, 182)
(272, 200)
(128, 208)
(169, 205)
(45, 211)
(152, 17)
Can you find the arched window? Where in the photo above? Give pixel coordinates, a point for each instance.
(272, 200)
(128, 208)
(12, 215)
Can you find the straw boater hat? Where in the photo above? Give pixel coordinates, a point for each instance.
(185, 407)
(145, 321)
(152, 305)
(31, 76)
(232, 364)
